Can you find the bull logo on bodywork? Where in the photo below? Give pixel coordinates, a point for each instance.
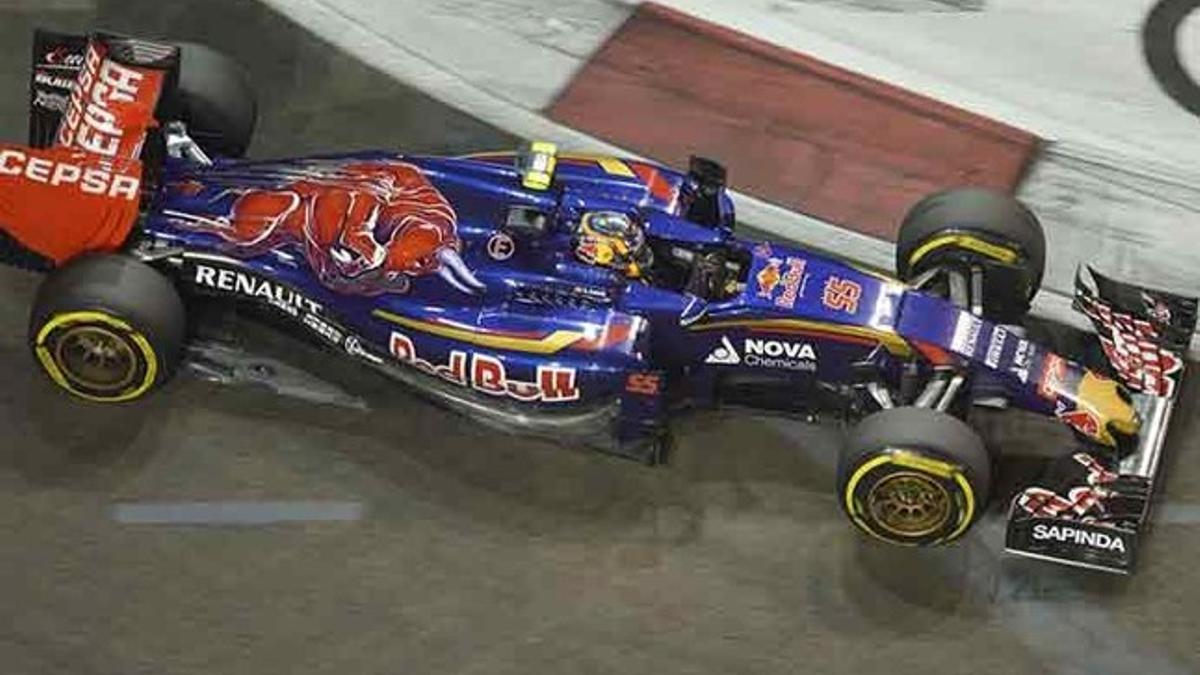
(769, 277)
(365, 227)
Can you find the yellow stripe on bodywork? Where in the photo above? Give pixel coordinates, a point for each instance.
(613, 166)
(69, 318)
(487, 154)
(892, 342)
(911, 460)
(548, 344)
(971, 243)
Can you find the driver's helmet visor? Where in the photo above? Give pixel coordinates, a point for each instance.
(613, 224)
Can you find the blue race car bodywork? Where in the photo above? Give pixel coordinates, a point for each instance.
(580, 297)
(544, 339)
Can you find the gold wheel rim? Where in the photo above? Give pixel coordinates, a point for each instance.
(96, 358)
(909, 504)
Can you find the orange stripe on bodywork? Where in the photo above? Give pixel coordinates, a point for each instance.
(548, 343)
(934, 354)
(614, 334)
(659, 186)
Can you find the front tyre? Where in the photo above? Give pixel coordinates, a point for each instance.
(970, 227)
(107, 328)
(913, 476)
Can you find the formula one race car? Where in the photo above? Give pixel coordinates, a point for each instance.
(577, 296)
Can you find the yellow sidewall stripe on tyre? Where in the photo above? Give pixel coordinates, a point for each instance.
(910, 460)
(1001, 253)
(71, 318)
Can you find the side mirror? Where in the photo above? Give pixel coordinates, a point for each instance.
(709, 177)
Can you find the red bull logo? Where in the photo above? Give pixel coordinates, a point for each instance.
(793, 283)
(769, 277)
(487, 374)
(788, 275)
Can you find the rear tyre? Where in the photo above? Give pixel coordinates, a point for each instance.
(966, 227)
(216, 101)
(107, 328)
(913, 476)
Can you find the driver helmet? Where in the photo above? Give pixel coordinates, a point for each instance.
(612, 239)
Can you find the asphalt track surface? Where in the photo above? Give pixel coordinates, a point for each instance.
(231, 529)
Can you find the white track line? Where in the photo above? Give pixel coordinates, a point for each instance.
(235, 512)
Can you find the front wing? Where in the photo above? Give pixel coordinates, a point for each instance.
(1095, 513)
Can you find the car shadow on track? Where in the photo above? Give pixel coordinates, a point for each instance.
(52, 438)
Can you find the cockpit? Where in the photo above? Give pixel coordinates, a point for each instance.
(688, 249)
(613, 239)
(664, 251)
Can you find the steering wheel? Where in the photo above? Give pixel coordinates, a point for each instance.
(708, 275)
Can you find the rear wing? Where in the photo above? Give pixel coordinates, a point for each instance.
(98, 93)
(54, 67)
(77, 186)
(1092, 510)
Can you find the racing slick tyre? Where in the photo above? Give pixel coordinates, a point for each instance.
(107, 328)
(913, 476)
(977, 226)
(216, 101)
